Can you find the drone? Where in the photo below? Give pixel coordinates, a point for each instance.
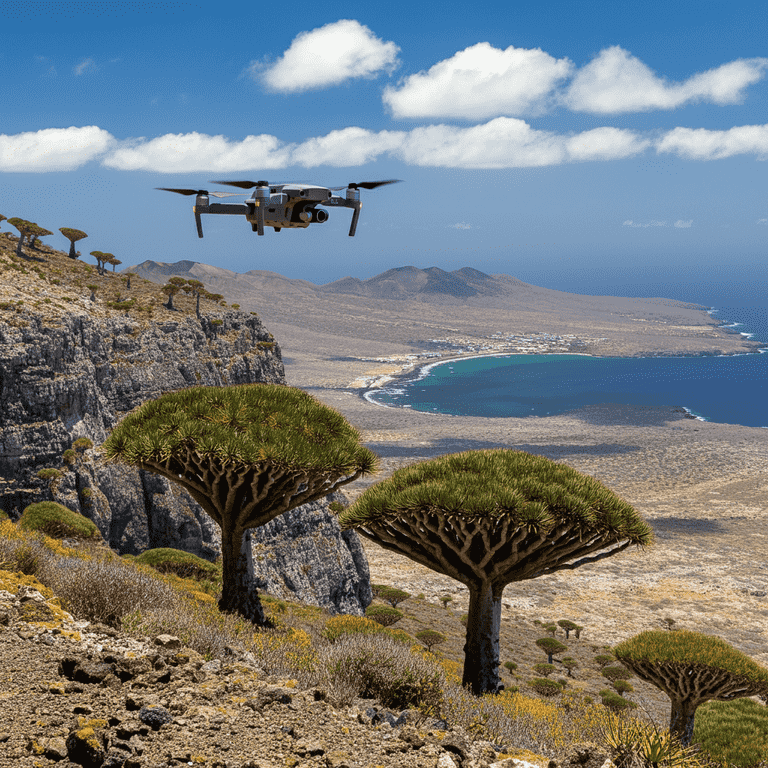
(280, 206)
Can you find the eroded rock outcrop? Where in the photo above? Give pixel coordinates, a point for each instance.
(62, 378)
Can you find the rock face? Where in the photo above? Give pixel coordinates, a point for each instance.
(62, 378)
(302, 555)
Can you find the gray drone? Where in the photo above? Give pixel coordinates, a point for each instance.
(280, 206)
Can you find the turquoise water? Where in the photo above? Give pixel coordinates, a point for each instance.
(728, 389)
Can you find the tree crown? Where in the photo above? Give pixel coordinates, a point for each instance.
(241, 425)
(72, 234)
(527, 490)
(692, 648)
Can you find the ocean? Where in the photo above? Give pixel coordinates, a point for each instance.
(728, 389)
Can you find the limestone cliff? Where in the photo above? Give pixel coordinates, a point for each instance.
(71, 374)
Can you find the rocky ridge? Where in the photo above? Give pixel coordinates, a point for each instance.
(70, 367)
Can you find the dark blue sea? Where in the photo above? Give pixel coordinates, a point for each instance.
(728, 389)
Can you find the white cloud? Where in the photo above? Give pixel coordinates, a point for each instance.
(605, 144)
(651, 223)
(178, 153)
(501, 143)
(53, 149)
(480, 82)
(703, 144)
(86, 65)
(680, 224)
(347, 147)
(762, 221)
(615, 81)
(460, 225)
(327, 56)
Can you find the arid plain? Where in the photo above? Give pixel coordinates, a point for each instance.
(702, 486)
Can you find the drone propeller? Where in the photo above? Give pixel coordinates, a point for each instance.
(366, 184)
(248, 184)
(198, 192)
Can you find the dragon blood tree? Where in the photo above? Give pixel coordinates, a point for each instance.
(489, 518)
(691, 668)
(73, 235)
(246, 454)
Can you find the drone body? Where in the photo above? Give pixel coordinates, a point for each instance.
(281, 206)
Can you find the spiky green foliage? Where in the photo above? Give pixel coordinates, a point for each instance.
(383, 614)
(734, 733)
(613, 701)
(570, 664)
(57, 521)
(551, 647)
(691, 668)
(392, 595)
(488, 518)
(604, 659)
(544, 669)
(246, 454)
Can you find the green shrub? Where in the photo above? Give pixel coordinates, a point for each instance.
(616, 673)
(49, 473)
(613, 701)
(733, 732)
(383, 614)
(545, 687)
(604, 659)
(391, 595)
(510, 666)
(183, 564)
(544, 669)
(622, 686)
(82, 444)
(69, 457)
(58, 522)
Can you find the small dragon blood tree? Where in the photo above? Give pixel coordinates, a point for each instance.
(73, 235)
(246, 454)
(691, 668)
(489, 518)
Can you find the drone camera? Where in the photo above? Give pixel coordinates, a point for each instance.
(319, 215)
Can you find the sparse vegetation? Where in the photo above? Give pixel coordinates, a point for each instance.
(458, 514)
(383, 614)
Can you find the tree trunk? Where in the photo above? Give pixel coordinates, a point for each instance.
(481, 651)
(21, 242)
(197, 306)
(681, 720)
(238, 593)
(72, 254)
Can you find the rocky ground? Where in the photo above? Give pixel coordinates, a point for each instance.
(78, 694)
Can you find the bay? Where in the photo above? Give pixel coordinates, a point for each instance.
(727, 389)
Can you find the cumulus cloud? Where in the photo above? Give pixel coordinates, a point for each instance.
(86, 65)
(680, 224)
(53, 149)
(328, 56)
(179, 153)
(480, 82)
(347, 147)
(615, 81)
(703, 144)
(605, 144)
(460, 225)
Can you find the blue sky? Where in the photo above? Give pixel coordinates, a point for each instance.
(538, 139)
